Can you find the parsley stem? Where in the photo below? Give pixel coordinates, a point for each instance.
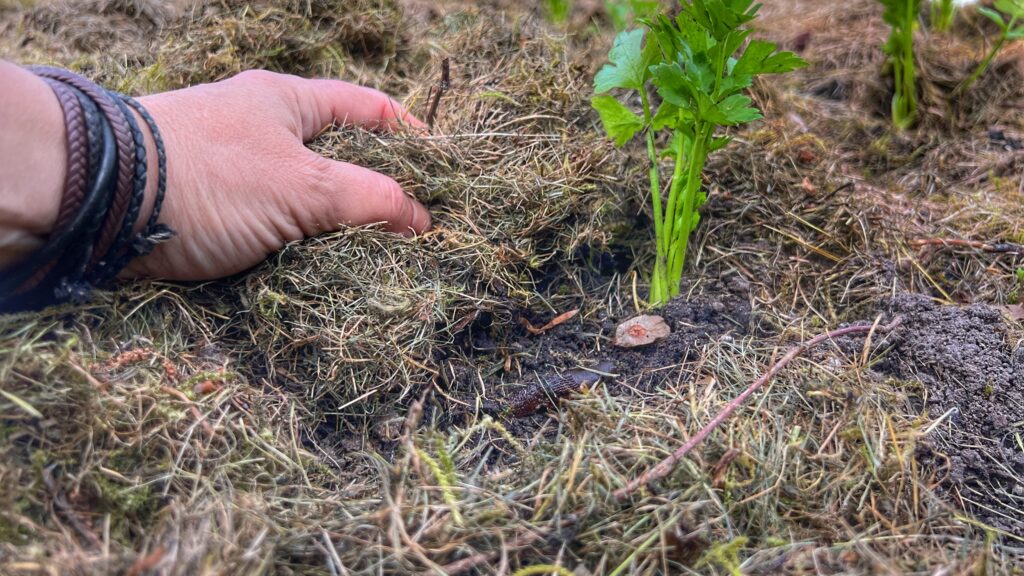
(688, 202)
(659, 280)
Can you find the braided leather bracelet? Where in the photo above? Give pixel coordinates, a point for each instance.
(103, 196)
(76, 181)
(61, 251)
(154, 233)
(124, 130)
(110, 249)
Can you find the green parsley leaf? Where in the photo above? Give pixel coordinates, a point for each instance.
(735, 109)
(760, 57)
(993, 16)
(626, 66)
(1010, 7)
(619, 122)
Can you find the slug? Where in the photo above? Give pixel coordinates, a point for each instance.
(546, 392)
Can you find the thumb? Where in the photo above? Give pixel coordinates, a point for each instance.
(354, 196)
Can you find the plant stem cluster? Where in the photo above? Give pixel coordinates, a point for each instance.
(901, 15)
(700, 65)
(943, 13)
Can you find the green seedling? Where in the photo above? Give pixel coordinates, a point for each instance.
(1006, 14)
(557, 11)
(700, 64)
(623, 13)
(943, 14)
(901, 15)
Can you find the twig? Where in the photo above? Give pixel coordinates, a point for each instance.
(556, 321)
(997, 247)
(441, 89)
(665, 467)
(92, 380)
(144, 564)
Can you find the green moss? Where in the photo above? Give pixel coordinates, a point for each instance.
(725, 555)
(127, 505)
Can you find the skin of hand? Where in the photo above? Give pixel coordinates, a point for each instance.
(240, 182)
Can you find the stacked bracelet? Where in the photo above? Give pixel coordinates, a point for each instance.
(104, 189)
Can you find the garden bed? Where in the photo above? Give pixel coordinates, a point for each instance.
(322, 413)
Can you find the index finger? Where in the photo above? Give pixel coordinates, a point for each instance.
(323, 102)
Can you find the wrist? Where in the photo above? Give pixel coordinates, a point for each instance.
(34, 151)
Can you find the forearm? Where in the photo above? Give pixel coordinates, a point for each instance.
(33, 162)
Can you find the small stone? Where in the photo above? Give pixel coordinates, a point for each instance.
(640, 331)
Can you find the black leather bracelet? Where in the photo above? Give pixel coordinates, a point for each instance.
(110, 264)
(154, 232)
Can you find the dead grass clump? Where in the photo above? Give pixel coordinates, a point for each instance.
(517, 182)
(132, 459)
(168, 45)
(823, 240)
(998, 96)
(352, 320)
(315, 38)
(115, 462)
(821, 458)
(97, 25)
(842, 46)
(954, 176)
(102, 39)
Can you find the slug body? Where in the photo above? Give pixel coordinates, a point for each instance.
(547, 392)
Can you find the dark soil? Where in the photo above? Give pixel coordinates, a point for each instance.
(487, 347)
(963, 358)
(1000, 139)
(718, 309)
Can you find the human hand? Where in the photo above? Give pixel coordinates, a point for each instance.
(241, 184)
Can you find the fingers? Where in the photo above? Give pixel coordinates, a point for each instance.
(355, 196)
(322, 102)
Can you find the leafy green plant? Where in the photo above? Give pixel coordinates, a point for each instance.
(901, 15)
(557, 11)
(1006, 15)
(700, 69)
(943, 13)
(623, 13)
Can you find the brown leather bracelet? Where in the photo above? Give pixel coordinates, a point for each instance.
(125, 152)
(77, 177)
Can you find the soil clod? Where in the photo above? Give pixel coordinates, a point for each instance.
(974, 376)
